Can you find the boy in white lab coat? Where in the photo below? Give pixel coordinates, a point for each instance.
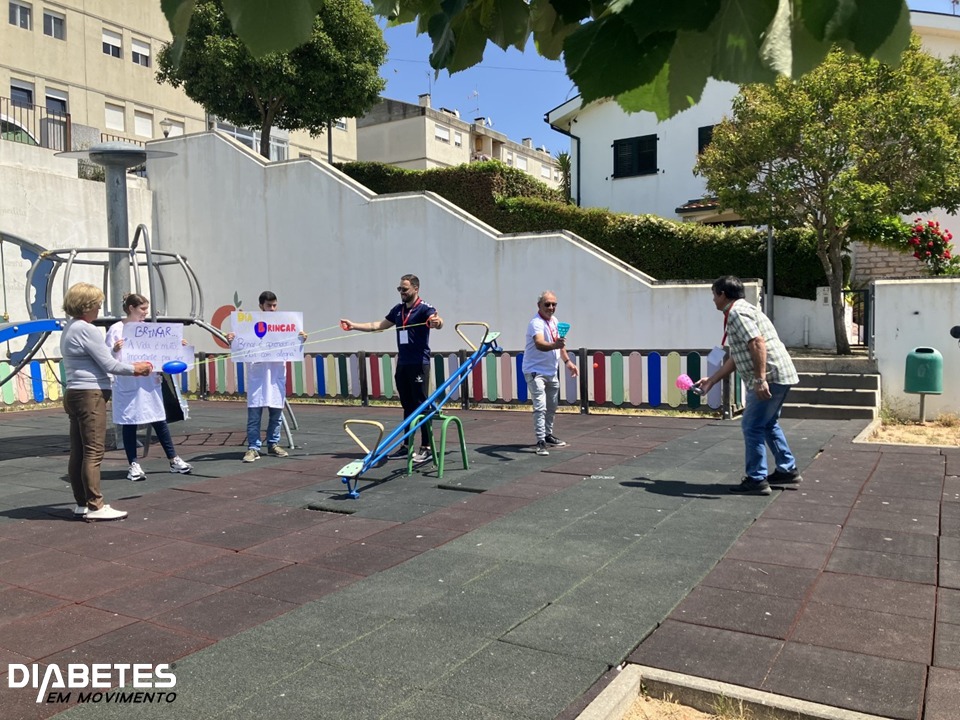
(266, 384)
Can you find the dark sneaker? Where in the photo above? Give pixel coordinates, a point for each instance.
(751, 487)
(400, 452)
(784, 477)
(542, 448)
(554, 441)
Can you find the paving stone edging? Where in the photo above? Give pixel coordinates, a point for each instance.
(616, 700)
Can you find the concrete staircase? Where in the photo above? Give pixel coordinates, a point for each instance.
(834, 387)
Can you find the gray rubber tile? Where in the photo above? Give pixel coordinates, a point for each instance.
(512, 679)
(854, 681)
(410, 652)
(422, 705)
(599, 634)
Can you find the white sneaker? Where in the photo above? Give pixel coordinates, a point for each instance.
(177, 465)
(422, 455)
(136, 473)
(104, 513)
(79, 511)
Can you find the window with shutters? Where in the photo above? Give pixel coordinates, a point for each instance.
(635, 156)
(112, 43)
(55, 25)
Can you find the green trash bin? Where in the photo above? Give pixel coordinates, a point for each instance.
(924, 372)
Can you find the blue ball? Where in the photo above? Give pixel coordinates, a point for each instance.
(174, 367)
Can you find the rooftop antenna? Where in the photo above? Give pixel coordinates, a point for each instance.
(475, 95)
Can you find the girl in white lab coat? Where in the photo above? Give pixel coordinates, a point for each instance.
(139, 400)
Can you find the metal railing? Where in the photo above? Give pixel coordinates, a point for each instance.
(34, 125)
(139, 170)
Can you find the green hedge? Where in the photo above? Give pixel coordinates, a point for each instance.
(513, 202)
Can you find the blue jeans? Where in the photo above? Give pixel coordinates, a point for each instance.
(129, 435)
(761, 427)
(254, 415)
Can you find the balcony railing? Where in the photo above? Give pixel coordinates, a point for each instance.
(34, 125)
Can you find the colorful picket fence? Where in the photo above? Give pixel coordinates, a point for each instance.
(608, 378)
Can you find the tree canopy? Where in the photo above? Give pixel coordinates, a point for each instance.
(648, 54)
(334, 73)
(849, 144)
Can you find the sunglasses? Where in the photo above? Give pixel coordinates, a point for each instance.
(403, 289)
(546, 304)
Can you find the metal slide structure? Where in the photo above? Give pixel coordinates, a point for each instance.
(430, 409)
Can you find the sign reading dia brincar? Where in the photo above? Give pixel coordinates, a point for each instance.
(267, 337)
(93, 682)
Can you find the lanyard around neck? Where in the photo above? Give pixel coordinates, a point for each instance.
(550, 328)
(404, 318)
(726, 317)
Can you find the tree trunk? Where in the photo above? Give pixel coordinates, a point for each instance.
(265, 142)
(831, 257)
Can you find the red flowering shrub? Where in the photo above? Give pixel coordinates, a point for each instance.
(931, 245)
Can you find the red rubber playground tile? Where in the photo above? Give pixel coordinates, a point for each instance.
(876, 594)
(418, 538)
(17, 603)
(173, 556)
(360, 558)
(865, 631)
(231, 570)
(95, 578)
(732, 657)
(42, 635)
(139, 642)
(223, 614)
(153, 596)
(298, 583)
(767, 615)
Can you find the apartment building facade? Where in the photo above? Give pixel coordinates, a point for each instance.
(419, 137)
(77, 72)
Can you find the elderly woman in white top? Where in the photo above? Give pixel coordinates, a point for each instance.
(87, 362)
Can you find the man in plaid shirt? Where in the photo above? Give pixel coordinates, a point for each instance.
(758, 354)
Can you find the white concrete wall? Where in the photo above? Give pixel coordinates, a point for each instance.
(599, 125)
(911, 314)
(808, 323)
(331, 249)
(43, 201)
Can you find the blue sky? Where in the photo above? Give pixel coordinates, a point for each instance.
(514, 89)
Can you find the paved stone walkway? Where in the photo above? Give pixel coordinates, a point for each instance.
(508, 590)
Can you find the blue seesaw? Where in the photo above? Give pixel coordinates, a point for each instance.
(351, 472)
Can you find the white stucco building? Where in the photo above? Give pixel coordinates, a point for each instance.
(632, 163)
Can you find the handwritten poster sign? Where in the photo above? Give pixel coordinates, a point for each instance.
(156, 343)
(266, 337)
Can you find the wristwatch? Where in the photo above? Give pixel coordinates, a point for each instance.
(757, 382)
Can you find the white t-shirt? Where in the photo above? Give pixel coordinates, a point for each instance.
(542, 362)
